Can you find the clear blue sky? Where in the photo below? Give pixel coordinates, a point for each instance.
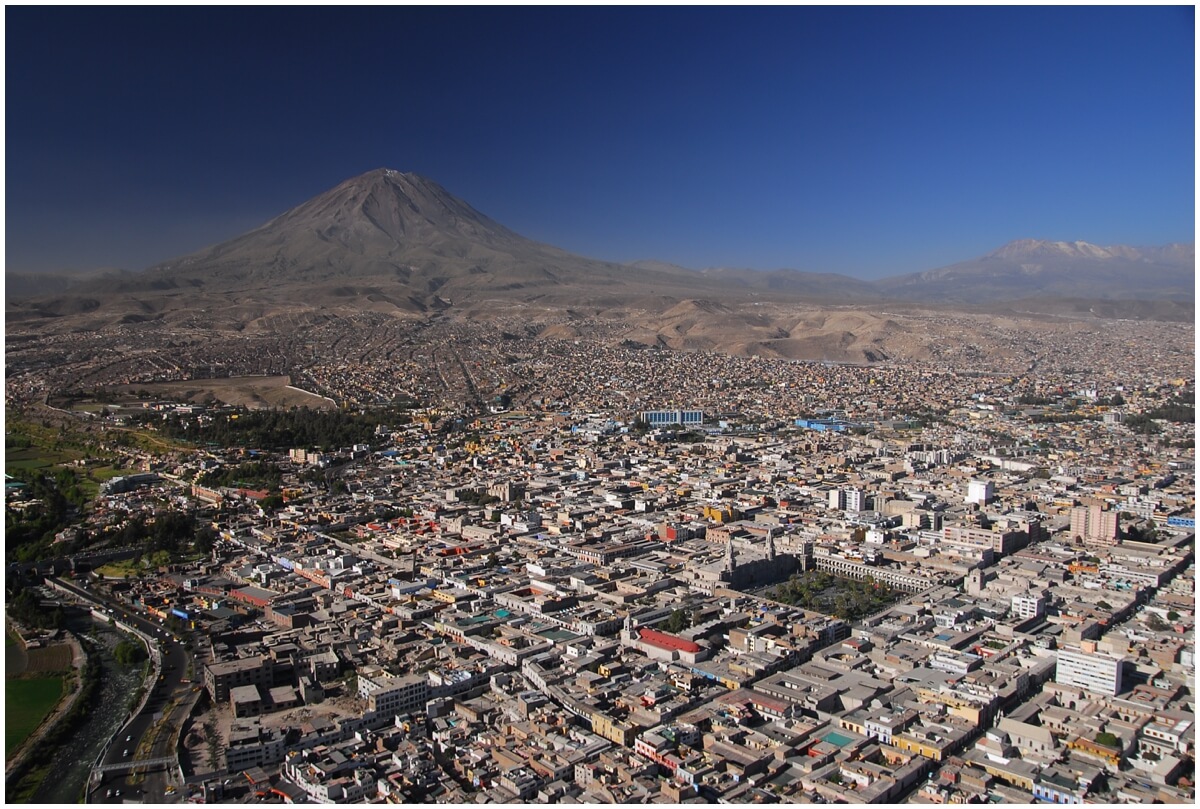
(858, 140)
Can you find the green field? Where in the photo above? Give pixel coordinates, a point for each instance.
(103, 473)
(26, 704)
(36, 458)
(119, 570)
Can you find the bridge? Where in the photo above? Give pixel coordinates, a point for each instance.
(166, 761)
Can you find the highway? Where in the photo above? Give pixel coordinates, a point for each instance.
(150, 734)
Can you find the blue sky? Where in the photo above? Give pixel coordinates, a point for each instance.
(864, 141)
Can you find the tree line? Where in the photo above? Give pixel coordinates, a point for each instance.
(283, 429)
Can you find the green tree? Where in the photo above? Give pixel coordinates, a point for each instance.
(206, 537)
(129, 653)
(677, 622)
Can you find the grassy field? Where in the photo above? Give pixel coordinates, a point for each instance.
(103, 473)
(120, 569)
(26, 704)
(97, 475)
(36, 442)
(37, 458)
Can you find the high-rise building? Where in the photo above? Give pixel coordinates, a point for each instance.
(980, 491)
(1091, 670)
(855, 500)
(1094, 524)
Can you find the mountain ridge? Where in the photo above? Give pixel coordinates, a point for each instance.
(398, 242)
(1029, 267)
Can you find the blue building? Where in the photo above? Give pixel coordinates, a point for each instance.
(824, 425)
(665, 418)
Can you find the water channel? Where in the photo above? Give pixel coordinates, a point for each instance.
(72, 763)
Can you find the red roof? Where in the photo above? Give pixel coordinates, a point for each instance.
(664, 641)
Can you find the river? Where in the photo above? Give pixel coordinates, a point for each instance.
(72, 763)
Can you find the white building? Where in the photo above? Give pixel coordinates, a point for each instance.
(1028, 605)
(1091, 670)
(855, 500)
(980, 491)
(391, 696)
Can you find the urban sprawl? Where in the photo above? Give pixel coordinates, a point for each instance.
(580, 572)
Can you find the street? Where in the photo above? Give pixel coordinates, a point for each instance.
(149, 735)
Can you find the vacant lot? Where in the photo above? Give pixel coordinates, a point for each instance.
(26, 704)
(255, 392)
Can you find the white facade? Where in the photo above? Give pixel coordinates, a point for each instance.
(1028, 605)
(399, 695)
(1094, 671)
(980, 491)
(855, 500)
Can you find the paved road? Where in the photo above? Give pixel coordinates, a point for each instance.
(149, 735)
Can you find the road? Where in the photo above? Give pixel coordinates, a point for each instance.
(150, 734)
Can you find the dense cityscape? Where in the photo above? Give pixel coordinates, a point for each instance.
(589, 404)
(504, 567)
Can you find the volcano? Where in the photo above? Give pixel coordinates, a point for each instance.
(397, 235)
(396, 243)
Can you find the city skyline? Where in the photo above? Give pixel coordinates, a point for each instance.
(869, 142)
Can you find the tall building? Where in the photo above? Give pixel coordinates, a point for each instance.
(1091, 670)
(1028, 605)
(855, 500)
(980, 491)
(1094, 524)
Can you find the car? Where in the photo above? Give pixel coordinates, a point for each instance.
(118, 793)
(129, 738)
(126, 753)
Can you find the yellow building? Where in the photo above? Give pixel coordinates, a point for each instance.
(614, 730)
(1109, 755)
(721, 515)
